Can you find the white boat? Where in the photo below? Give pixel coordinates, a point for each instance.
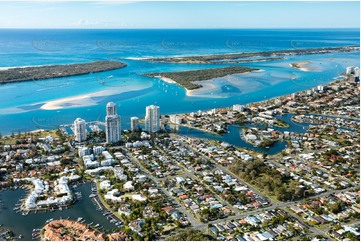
(49, 220)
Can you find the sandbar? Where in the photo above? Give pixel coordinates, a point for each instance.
(302, 65)
(85, 100)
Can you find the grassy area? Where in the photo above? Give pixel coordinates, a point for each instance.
(10, 141)
(169, 227)
(43, 134)
(128, 195)
(282, 124)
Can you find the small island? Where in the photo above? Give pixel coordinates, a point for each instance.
(186, 79)
(241, 57)
(19, 74)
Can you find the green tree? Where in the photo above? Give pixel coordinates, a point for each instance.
(336, 207)
(189, 235)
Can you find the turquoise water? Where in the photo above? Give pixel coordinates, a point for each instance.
(20, 103)
(233, 136)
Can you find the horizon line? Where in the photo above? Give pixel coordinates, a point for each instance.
(140, 28)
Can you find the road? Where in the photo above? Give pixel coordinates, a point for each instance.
(226, 171)
(274, 204)
(190, 217)
(191, 175)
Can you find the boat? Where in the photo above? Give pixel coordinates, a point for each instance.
(79, 219)
(49, 220)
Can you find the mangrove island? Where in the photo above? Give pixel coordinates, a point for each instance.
(19, 74)
(186, 78)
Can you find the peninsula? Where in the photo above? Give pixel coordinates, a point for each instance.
(242, 57)
(65, 230)
(187, 78)
(20, 74)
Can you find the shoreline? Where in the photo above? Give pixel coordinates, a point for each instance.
(84, 100)
(301, 65)
(190, 93)
(216, 58)
(45, 72)
(203, 85)
(61, 103)
(166, 79)
(192, 79)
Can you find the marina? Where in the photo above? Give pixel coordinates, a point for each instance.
(85, 210)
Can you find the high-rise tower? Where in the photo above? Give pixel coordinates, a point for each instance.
(152, 119)
(112, 124)
(80, 129)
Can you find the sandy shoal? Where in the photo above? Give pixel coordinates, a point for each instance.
(302, 65)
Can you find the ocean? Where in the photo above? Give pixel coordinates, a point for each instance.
(46, 104)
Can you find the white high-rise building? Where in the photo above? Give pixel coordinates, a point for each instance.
(238, 107)
(112, 124)
(350, 70)
(320, 88)
(134, 124)
(357, 71)
(175, 119)
(80, 129)
(111, 109)
(152, 119)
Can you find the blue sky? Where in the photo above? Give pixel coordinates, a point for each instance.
(98, 14)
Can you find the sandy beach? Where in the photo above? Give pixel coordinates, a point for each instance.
(208, 89)
(77, 101)
(189, 93)
(87, 99)
(301, 65)
(167, 80)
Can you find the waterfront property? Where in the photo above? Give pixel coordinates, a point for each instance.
(65, 230)
(149, 181)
